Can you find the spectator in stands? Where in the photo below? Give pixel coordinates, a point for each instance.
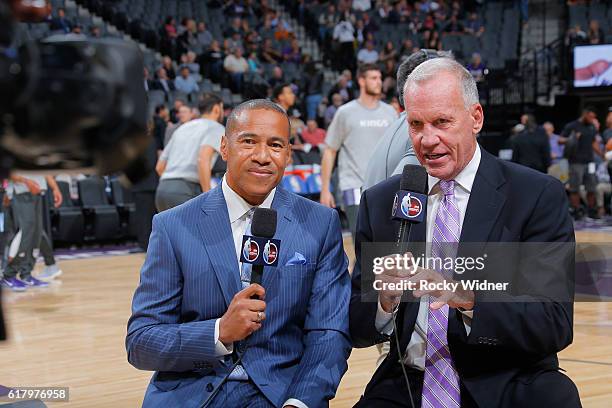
(180, 30)
(186, 82)
(204, 37)
(147, 81)
(344, 35)
(360, 34)
(187, 40)
(474, 26)
(354, 131)
(297, 127)
(595, 34)
(254, 64)
(367, 55)
(212, 62)
(384, 10)
(454, 26)
(170, 27)
(236, 65)
(394, 15)
(343, 89)
(388, 73)
(327, 21)
(284, 96)
(161, 119)
(252, 42)
(162, 82)
(556, 149)
(94, 32)
(234, 28)
(331, 110)
(278, 77)
(348, 74)
(312, 86)
(61, 23)
(27, 211)
(178, 102)
(313, 134)
(434, 42)
(579, 139)
(369, 25)
(477, 67)
(292, 52)
(185, 164)
(77, 30)
(575, 36)
(168, 65)
(406, 48)
(269, 54)
(531, 147)
(282, 31)
(184, 114)
(388, 53)
(607, 134)
(235, 8)
(189, 60)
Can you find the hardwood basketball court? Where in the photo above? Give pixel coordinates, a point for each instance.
(72, 334)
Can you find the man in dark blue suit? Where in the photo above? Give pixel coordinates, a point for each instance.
(194, 320)
(459, 348)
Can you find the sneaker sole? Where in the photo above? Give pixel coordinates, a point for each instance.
(15, 289)
(50, 277)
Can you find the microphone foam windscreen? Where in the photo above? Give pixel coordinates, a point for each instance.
(264, 222)
(414, 178)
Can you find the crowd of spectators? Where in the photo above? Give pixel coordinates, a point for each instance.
(580, 155)
(256, 42)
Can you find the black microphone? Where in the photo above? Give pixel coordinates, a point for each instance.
(410, 207)
(263, 225)
(410, 203)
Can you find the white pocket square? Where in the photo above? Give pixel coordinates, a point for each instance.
(297, 259)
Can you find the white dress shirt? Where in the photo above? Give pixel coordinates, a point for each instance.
(417, 347)
(237, 209)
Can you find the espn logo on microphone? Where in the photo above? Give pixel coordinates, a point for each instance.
(259, 251)
(409, 206)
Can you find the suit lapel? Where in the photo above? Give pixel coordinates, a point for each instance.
(217, 236)
(486, 201)
(284, 224)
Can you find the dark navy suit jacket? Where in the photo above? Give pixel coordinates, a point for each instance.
(510, 356)
(189, 279)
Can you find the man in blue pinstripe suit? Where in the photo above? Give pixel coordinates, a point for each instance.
(192, 314)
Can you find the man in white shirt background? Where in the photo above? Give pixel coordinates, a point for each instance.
(186, 162)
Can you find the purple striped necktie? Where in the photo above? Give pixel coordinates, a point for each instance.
(441, 381)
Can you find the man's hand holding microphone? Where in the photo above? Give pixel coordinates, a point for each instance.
(244, 315)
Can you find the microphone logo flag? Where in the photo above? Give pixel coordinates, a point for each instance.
(253, 253)
(409, 205)
(270, 253)
(250, 250)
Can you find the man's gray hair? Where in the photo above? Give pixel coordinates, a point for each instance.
(413, 61)
(429, 70)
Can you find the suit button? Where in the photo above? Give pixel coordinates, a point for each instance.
(209, 387)
(241, 347)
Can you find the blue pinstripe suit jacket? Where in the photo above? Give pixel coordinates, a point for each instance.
(189, 278)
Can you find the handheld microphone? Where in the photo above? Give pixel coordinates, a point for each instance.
(410, 207)
(260, 249)
(410, 203)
